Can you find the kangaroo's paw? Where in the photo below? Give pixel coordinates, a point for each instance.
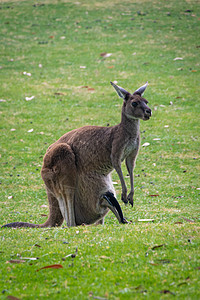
(130, 198)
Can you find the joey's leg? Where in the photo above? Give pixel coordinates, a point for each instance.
(130, 163)
(108, 200)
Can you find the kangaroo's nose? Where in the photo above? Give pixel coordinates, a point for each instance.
(148, 111)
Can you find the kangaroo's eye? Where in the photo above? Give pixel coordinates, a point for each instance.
(134, 104)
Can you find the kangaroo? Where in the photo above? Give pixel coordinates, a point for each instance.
(77, 168)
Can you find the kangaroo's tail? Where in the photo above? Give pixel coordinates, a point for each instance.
(20, 224)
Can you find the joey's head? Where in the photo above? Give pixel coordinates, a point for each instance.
(135, 106)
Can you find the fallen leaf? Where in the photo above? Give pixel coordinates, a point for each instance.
(163, 261)
(27, 73)
(56, 266)
(15, 261)
(29, 98)
(12, 129)
(156, 195)
(145, 144)
(178, 222)
(188, 220)
(166, 292)
(82, 67)
(178, 58)
(12, 298)
(156, 139)
(91, 89)
(105, 54)
(30, 130)
(44, 215)
(58, 93)
(182, 283)
(110, 67)
(153, 264)
(157, 246)
(30, 258)
(42, 42)
(44, 205)
(139, 287)
(104, 257)
(2, 100)
(145, 220)
(10, 197)
(36, 245)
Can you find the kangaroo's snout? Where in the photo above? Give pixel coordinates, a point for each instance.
(147, 114)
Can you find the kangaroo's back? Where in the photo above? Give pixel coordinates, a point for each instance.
(92, 146)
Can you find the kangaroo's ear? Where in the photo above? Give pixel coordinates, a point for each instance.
(121, 92)
(141, 90)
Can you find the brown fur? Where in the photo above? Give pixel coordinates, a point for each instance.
(77, 168)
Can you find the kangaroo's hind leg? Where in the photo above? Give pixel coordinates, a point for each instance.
(59, 175)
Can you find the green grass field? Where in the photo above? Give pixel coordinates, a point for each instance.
(54, 79)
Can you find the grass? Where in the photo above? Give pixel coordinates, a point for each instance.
(54, 40)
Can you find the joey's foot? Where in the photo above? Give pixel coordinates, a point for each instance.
(125, 221)
(130, 199)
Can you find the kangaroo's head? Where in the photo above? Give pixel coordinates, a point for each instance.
(135, 106)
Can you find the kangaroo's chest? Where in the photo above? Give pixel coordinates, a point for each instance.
(132, 145)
